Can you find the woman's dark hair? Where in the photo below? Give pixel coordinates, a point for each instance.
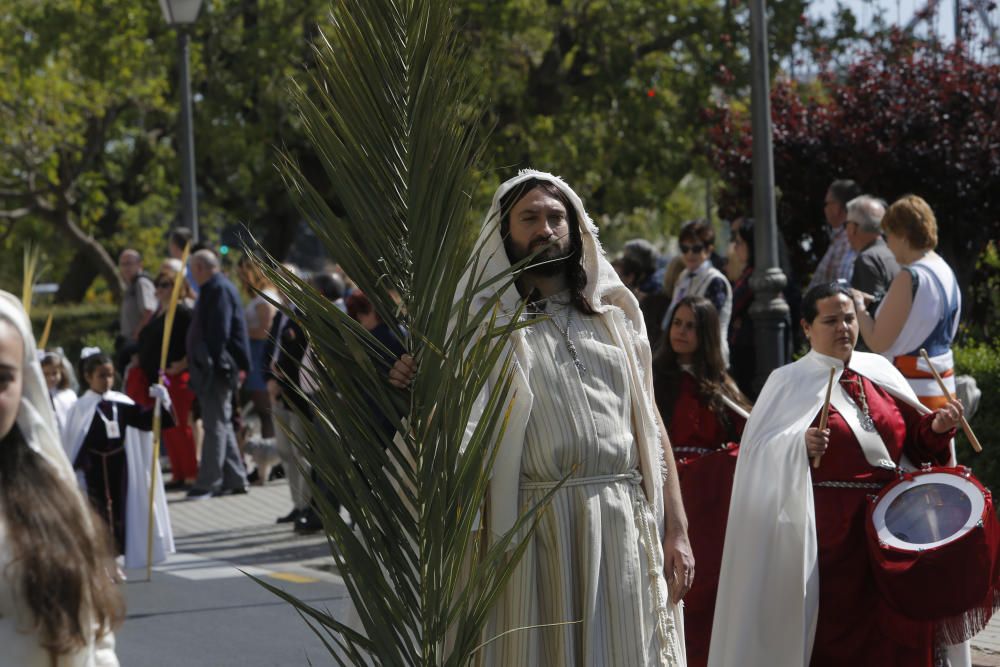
(708, 367)
(576, 277)
(89, 363)
(54, 359)
(358, 304)
(697, 230)
(820, 292)
(64, 563)
(745, 232)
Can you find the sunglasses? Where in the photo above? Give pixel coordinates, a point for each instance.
(685, 248)
(164, 284)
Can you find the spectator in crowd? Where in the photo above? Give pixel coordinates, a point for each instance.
(923, 304)
(636, 266)
(288, 342)
(838, 262)
(362, 310)
(875, 266)
(332, 286)
(107, 439)
(701, 278)
(179, 440)
(259, 314)
(742, 354)
(138, 305)
(218, 350)
(58, 600)
(704, 414)
(60, 390)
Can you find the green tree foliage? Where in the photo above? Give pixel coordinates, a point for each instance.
(77, 149)
(611, 94)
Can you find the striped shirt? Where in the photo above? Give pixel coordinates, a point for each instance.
(837, 263)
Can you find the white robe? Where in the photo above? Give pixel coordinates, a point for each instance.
(138, 457)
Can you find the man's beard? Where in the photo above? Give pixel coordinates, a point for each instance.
(549, 262)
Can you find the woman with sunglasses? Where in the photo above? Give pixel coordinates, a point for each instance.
(179, 440)
(701, 278)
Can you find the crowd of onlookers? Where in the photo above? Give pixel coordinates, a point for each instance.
(885, 254)
(235, 390)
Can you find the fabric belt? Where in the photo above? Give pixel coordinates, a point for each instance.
(693, 450)
(833, 484)
(634, 477)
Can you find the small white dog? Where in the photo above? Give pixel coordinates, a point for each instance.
(263, 451)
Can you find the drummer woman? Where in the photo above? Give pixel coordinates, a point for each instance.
(704, 413)
(796, 558)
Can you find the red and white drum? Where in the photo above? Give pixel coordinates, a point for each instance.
(934, 539)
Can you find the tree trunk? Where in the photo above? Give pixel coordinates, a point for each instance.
(77, 280)
(91, 249)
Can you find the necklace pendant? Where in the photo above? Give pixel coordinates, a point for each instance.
(571, 348)
(867, 423)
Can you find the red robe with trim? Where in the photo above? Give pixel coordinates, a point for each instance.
(855, 626)
(706, 485)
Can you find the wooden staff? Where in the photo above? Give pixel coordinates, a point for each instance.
(824, 415)
(43, 341)
(168, 325)
(973, 440)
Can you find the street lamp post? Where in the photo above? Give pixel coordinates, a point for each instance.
(180, 14)
(769, 309)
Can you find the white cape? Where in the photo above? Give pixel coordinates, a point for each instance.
(768, 600)
(138, 457)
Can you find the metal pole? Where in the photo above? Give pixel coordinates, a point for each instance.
(769, 310)
(189, 192)
(958, 22)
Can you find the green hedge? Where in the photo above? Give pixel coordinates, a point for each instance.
(77, 326)
(982, 361)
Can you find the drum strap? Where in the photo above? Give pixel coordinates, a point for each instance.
(871, 442)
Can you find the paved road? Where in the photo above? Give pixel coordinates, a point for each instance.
(200, 609)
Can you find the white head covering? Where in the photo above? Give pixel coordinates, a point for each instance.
(35, 417)
(602, 279)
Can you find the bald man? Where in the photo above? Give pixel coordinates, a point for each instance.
(218, 348)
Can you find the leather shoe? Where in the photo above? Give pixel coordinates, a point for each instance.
(199, 494)
(308, 522)
(238, 491)
(290, 517)
(176, 485)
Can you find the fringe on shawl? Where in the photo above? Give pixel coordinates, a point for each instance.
(965, 626)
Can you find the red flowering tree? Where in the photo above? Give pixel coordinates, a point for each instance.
(906, 117)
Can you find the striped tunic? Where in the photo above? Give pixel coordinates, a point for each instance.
(595, 566)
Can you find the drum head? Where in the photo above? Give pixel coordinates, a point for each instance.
(928, 511)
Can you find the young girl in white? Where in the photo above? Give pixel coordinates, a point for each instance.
(107, 439)
(60, 389)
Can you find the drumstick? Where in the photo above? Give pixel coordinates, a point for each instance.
(973, 440)
(825, 413)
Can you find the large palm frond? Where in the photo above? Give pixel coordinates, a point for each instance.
(392, 116)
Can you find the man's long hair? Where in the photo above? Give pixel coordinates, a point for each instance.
(576, 277)
(708, 367)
